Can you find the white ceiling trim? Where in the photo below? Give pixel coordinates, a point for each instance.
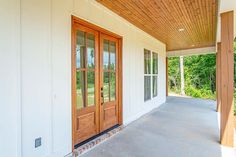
(190, 52)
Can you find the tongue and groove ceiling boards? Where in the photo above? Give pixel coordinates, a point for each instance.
(180, 24)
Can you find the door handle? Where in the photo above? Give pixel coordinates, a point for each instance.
(102, 96)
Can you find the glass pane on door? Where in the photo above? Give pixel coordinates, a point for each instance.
(80, 89)
(106, 87)
(112, 55)
(80, 49)
(105, 54)
(91, 88)
(90, 51)
(85, 63)
(112, 86)
(109, 66)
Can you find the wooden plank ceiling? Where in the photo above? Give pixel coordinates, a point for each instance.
(180, 24)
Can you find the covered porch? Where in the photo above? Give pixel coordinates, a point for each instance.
(72, 69)
(180, 127)
(191, 27)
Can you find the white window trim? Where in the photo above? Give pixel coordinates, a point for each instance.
(152, 97)
(151, 75)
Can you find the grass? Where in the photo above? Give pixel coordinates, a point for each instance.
(91, 98)
(196, 93)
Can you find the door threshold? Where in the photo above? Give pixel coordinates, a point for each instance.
(92, 142)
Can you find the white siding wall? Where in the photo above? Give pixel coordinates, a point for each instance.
(39, 104)
(10, 127)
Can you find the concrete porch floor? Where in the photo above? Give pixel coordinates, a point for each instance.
(182, 127)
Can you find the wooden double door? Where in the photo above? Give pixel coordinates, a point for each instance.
(95, 81)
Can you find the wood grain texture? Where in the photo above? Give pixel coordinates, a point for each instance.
(120, 87)
(87, 122)
(166, 76)
(109, 111)
(218, 77)
(163, 18)
(227, 80)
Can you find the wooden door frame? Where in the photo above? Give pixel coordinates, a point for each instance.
(75, 20)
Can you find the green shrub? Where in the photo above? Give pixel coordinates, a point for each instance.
(199, 93)
(199, 74)
(191, 91)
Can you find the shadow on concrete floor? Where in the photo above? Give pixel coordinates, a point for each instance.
(181, 127)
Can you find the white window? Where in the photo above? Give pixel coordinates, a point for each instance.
(150, 74)
(154, 74)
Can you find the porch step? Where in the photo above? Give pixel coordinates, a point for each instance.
(93, 143)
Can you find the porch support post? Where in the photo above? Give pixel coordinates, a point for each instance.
(166, 76)
(227, 80)
(218, 77)
(181, 59)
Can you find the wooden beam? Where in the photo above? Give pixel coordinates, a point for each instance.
(218, 78)
(166, 76)
(227, 79)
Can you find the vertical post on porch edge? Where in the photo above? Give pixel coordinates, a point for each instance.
(227, 79)
(218, 77)
(166, 76)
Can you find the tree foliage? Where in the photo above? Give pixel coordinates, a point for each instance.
(199, 74)
(174, 74)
